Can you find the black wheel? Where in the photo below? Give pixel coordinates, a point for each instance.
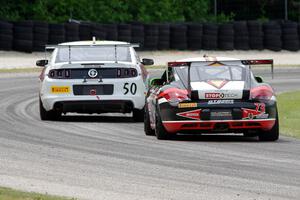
(138, 115)
(147, 127)
(271, 135)
(160, 131)
(48, 115)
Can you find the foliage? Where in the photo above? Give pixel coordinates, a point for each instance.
(106, 11)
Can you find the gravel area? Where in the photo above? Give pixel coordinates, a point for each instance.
(12, 59)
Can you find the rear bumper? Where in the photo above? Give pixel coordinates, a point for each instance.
(219, 125)
(104, 106)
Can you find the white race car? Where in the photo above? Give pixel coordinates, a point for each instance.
(93, 77)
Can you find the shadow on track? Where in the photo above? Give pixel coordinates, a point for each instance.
(96, 118)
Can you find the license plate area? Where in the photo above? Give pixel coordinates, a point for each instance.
(106, 89)
(221, 114)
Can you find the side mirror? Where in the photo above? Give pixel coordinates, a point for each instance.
(146, 61)
(155, 82)
(259, 79)
(41, 63)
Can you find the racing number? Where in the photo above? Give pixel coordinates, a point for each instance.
(132, 88)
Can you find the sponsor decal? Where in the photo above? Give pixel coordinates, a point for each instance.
(218, 95)
(229, 101)
(60, 89)
(257, 113)
(193, 114)
(93, 73)
(217, 83)
(187, 105)
(220, 114)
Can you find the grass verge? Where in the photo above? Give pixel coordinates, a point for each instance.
(10, 194)
(289, 113)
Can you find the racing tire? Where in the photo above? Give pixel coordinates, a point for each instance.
(271, 135)
(138, 115)
(147, 127)
(160, 131)
(51, 115)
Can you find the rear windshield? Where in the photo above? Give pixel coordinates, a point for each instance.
(93, 53)
(204, 73)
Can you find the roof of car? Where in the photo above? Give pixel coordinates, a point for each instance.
(208, 59)
(91, 42)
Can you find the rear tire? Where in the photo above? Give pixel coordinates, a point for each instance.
(271, 135)
(160, 131)
(147, 127)
(138, 115)
(51, 115)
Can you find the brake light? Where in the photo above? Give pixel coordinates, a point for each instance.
(257, 62)
(174, 95)
(261, 93)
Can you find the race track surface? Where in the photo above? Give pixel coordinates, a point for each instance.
(106, 157)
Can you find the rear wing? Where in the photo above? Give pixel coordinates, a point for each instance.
(219, 63)
(93, 44)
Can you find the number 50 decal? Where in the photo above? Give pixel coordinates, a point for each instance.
(130, 87)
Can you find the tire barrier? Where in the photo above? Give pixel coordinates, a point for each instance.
(210, 36)
(194, 36)
(178, 38)
(226, 37)
(71, 32)
(241, 38)
(124, 32)
(40, 35)
(6, 35)
(290, 39)
(28, 36)
(151, 36)
(256, 35)
(23, 36)
(56, 33)
(137, 34)
(163, 37)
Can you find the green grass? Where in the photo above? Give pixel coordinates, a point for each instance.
(10, 194)
(20, 70)
(289, 113)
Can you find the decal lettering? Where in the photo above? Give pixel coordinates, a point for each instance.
(187, 105)
(229, 101)
(216, 95)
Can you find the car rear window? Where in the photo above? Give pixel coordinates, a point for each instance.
(93, 53)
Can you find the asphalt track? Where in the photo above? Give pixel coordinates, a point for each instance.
(109, 157)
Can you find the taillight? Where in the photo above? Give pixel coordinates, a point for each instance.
(174, 95)
(261, 93)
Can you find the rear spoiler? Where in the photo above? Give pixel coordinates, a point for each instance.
(243, 62)
(52, 47)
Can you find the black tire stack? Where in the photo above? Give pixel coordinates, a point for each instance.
(124, 32)
(256, 35)
(194, 36)
(241, 38)
(163, 37)
(178, 37)
(6, 35)
(40, 35)
(56, 33)
(272, 36)
(71, 32)
(210, 36)
(137, 34)
(290, 39)
(98, 31)
(226, 37)
(151, 36)
(85, 31)
(23, 36)
(111, 32)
